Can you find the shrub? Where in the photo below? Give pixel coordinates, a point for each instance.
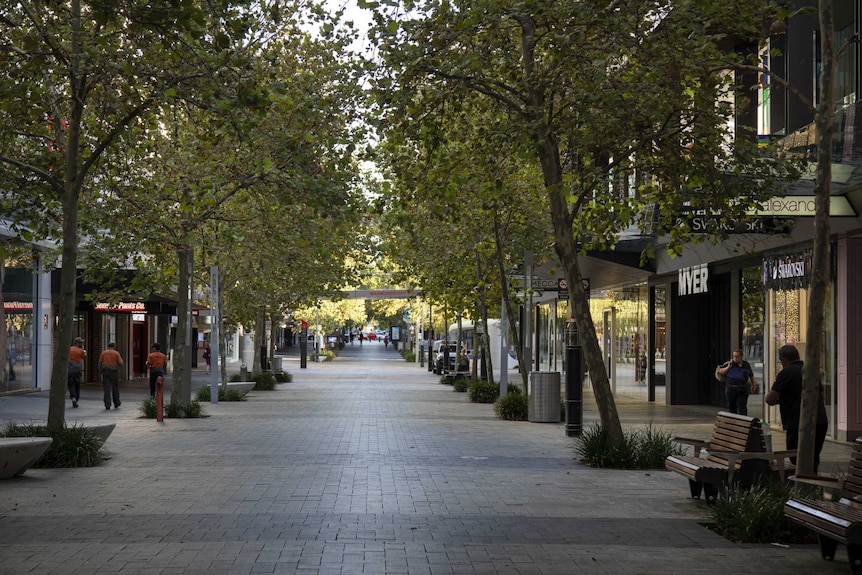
(148, 408)
(755, 514)
(326, 355)
(193, 409)
(173, 409)
(74, 446)
(654, 445)
(235, 377)
(229, 394)
(513, 407)
(483, 392)
(460, 383)
(445, 380)
(283, 377)
(641, 449)
(409, 355)
(263, 381)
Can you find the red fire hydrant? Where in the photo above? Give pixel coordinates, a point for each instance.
(160, 399)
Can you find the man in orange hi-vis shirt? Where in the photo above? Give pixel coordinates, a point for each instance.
(109, 364)
(157, 362)
(77, 355)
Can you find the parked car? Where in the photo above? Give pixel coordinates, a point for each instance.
(439, 358)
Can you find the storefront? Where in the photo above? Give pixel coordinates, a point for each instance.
(786, 279)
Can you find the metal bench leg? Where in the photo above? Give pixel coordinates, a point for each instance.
(854, 554)
(710, 493)
(696, 487)
(828, 547)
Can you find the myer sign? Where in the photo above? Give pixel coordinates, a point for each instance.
(693, 280)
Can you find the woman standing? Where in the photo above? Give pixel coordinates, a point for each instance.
(738, 384)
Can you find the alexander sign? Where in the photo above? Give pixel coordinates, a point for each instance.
(790, 206)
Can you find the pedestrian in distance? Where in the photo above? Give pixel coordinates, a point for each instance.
(110, 361)
(786, 392)
(738, 383)
(157, 363)
(207, 355)
(77, 355)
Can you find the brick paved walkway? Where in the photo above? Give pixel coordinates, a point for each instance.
(362, 465)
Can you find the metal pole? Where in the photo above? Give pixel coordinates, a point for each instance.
(504, 350)
(215, 335)
(574, 381)
(528, 317)
(186, 388)
(317, 332)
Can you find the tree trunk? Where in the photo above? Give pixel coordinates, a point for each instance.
(549, 157)
(820, 260)
(273, 334)
(68, 294)
(511, 316)
(180, 378)
(69, 195)
(5, 359)
(259, 340)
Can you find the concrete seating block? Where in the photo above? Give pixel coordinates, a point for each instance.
(243, 386)
(18, 454)
(102, 431)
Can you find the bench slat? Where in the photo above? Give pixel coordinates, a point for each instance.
(732, 434)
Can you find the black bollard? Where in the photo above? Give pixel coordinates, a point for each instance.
(574, 390)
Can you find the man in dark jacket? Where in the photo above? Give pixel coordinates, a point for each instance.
(786, 392)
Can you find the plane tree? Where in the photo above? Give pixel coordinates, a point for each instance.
(624, 107)
(235, 177)
(467, 206)
(80, 78)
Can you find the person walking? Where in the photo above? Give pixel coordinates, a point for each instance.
(786, 392)
(157, 362)
(738, 384)
(77, 355)
(207, 355)
(110, 361)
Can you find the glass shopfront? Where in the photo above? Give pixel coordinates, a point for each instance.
(621, 317)
(787, 317)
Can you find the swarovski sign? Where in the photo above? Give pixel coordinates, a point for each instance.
(787, 271)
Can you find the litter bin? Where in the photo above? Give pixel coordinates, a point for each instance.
(276, 364)
(544, 406)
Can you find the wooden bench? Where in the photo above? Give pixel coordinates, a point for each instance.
(736, 452)
(834, 521)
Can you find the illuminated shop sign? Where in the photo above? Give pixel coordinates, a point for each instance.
(804, 206)
(132, 306)
(14, 306)
(787, 271)
(693, 280)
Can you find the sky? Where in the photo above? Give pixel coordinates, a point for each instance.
(361, 18)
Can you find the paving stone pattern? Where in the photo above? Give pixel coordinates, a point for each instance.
(362, 465)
